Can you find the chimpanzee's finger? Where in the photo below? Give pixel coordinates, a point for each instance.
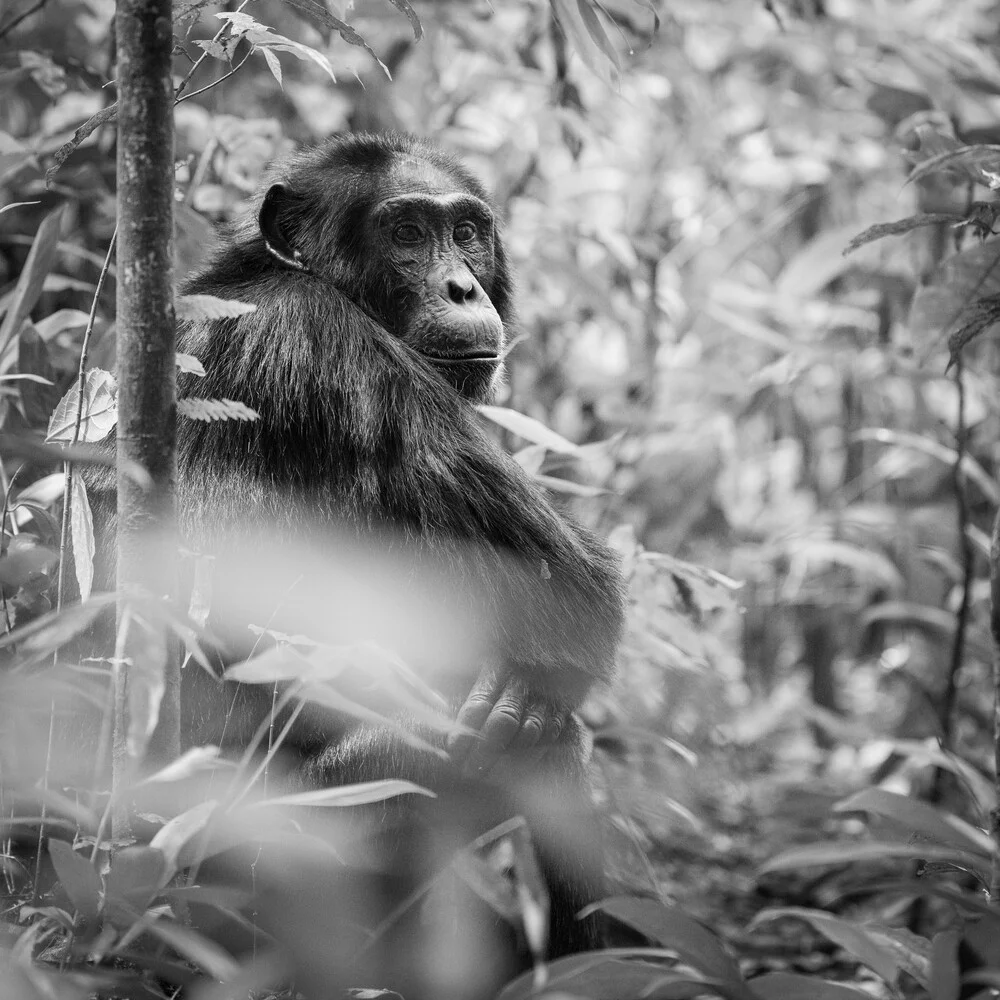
(533, 726)
(474, 713)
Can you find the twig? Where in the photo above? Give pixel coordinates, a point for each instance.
(194, 69)
(15, 21)
(215, 83)
(81, 383)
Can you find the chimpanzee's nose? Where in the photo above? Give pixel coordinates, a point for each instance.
(462, 290)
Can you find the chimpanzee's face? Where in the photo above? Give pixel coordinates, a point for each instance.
(418, 251)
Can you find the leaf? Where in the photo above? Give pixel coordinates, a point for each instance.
(136, 875)
(899, 227)
(32, 278)
(79, 878)
(789, 986)
(34, 450)
(103, 117)
(532, 893)
(571, 22)
(194, 307)
(195, 408)
(203, 952)
(273, 64)
(411, 16)
(672, 928)
(919, 818)
(189, 364)
(192, 761)
(946, 973)
(528, 428)
(54, 629)
(588, 14)
(983, 315)
(82, 532)
(319, 12)
(569, 487)
(968, 162)
(928, 446)
(816, 264)
(530, 458)
(99, 413)
(865, 943)
(963, 279)
(173, 837)
(617, 972)
(838, 853)
(359, 794)
(261, 37)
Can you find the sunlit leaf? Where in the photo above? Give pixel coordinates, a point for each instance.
(210, 410)
(344, 796)
(99, 413)
(528, 428)
(210, 307)
(81, 523)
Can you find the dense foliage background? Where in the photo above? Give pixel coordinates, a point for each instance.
(794, 447)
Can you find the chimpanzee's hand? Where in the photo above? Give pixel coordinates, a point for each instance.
(507, 715)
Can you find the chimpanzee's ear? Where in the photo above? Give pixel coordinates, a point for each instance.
(269, 220)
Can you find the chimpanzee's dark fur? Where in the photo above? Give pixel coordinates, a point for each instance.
(361, 432)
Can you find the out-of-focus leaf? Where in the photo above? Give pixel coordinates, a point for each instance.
(344, 796)
(980, 788)
(192, 761)
(899, 227)
(196, 948)
(904, 439)
(53, 630)
(32, 278)
(919, 818)
(531, 458)
(528, 428)
(672, 928)
(532, 893)
(789, 986)
(570, 488)
(194, 307)
(99, 412)
(946, 973)
(592, 22)
(839, 852)
(816, 264)
(867, 943)
(411, 15)
(934, 621)
(575, 29)
(79, 878)
(82, 532)
(35, 450)
(171, 839)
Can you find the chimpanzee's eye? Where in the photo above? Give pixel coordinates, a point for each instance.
(465, 232)
(408, 232)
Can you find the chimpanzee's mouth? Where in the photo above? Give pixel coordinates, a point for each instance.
(476, 357)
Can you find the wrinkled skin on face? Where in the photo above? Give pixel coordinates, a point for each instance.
(435, 250)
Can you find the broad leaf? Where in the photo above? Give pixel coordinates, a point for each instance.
(360, 794)
(78, 877)
(81, 523)
(98, 414)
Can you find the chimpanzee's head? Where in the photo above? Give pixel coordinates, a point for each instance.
(409, 236)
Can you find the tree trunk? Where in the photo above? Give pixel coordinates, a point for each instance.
(147, 400)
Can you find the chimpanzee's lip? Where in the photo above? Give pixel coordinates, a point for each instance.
(479, 357)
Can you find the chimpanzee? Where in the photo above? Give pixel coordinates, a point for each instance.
(384, 301)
